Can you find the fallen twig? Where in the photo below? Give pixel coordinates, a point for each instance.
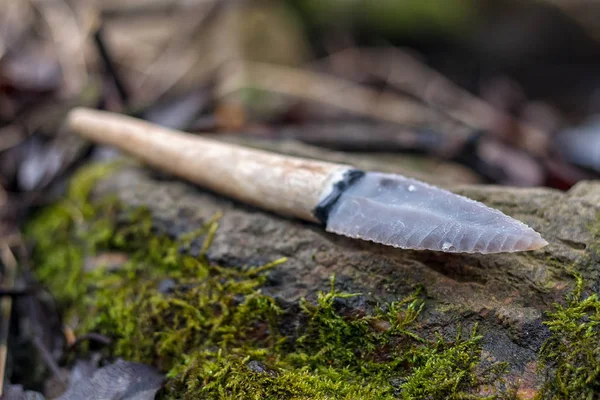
(406, 73)
(109, 64)
(338, 93)
(175, 50)
(10, 271)
(91, 337)
(69, 40)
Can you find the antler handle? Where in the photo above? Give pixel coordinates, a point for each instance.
(287, 185)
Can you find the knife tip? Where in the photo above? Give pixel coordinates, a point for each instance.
(532, 240)
(538, 243)
(525, 241)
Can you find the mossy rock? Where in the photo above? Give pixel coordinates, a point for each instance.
(165, 268)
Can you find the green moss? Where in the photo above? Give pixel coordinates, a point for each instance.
(341, 357)
(66, 231)
(214, 332)
(444, 370)
(573, 350)
(217, 376)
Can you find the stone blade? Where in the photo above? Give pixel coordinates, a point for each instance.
(409, 214)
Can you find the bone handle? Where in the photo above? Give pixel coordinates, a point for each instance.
(288, 185)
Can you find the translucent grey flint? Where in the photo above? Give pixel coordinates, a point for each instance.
(406, 213)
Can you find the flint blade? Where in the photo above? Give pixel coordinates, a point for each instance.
(409, 214)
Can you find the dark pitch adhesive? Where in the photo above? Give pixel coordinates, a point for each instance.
(323, 209)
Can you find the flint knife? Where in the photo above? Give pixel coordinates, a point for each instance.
(384, 208)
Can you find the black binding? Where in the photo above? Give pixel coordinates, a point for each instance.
(349, 178)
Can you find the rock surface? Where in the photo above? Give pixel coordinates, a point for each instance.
(506, 294)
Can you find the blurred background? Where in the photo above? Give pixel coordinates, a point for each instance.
(472, 91)
(506, 90)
